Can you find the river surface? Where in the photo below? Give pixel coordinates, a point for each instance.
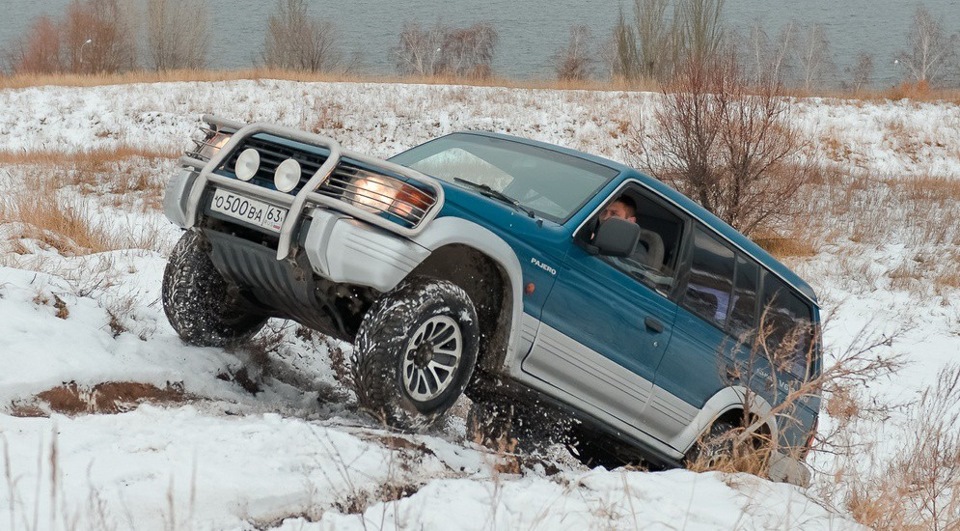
(531, 31)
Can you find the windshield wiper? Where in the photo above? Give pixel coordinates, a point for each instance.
(496, 194)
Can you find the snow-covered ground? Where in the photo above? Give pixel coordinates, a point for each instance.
(207, 453)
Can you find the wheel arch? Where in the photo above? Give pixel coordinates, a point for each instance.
(487, 268)
(730, 403)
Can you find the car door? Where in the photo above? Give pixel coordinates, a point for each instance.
(603, 332)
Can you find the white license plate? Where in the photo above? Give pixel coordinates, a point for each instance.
(250, 210)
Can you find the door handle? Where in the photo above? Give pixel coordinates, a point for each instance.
(653, 325)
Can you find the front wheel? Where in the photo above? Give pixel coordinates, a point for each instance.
(197, 299)
(415, 352)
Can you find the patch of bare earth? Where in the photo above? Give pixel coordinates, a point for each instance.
(103, 398)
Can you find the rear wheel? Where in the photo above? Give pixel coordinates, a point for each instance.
(198, 301)
(415, 352)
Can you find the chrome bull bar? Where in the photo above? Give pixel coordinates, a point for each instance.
(307, 196)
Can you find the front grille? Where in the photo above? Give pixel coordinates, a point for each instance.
(271, 155)
(397, 199)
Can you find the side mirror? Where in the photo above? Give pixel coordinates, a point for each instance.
(616, 237)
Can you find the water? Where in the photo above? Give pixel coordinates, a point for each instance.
(531, 31)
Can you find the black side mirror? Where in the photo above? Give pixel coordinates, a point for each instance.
(616, 237)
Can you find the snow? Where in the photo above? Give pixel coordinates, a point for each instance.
(296, 455)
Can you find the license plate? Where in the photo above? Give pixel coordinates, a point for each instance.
(250, 210)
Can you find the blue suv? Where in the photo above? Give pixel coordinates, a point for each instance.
(491, 265)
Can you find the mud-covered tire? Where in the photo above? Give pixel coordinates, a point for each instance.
(415, 352)
(197, 301)
(713, 447)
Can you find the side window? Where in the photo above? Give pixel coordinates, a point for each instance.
(743, 318)
(654, 261)
(787, 321)
(710, 284)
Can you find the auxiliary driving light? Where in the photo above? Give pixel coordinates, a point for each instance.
(287, 176)
(247, 164)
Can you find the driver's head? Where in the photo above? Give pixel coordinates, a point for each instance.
(623, 207)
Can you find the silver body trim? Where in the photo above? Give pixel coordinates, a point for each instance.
(591, 376)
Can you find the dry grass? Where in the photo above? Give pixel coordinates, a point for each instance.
(64, 225)
(788, 247)
(90, 157)
(917, 488)
(906, 91)
(75, 80)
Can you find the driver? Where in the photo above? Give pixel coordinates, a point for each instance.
(622, 207)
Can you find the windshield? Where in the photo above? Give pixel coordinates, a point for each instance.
(552, 184)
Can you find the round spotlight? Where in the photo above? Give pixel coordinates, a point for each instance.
(287, 176)
(247, 164)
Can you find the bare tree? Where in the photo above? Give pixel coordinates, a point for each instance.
(734, 151)
(624, 57)
(419, 50)
(651, 45)
(178, 33)
(932, 53)
(443, 50)
(468, 52)
(39, 52)
(574, 62)
(296, 41)
(701, 34)
(813, 56)
(97, 37)
(646, 47)
(767, 59)
(862, 71)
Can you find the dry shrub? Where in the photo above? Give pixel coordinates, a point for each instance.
(918, 488)
(446, 51)
(733, 150)
(108, 397)
(98, 36)
(575, 61)
(742, 442)
(297, 41)
(39, 52)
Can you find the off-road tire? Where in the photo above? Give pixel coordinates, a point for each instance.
(714, 446)
(387, 357)
(197, 299)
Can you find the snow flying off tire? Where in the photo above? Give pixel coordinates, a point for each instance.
(197, 301)
(415, 352)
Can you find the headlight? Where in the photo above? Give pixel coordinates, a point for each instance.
(209, 147)
(287, 175)
(373, 192)
(247, 164)
(383, 194)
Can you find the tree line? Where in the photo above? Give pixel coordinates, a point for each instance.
(647, 43)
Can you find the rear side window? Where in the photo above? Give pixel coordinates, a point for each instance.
(788, 324)
(710, 283)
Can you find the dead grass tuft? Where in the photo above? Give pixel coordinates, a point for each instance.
(781, 247)
(89, 157)
(108, 397)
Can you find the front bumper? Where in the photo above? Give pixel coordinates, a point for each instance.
(342, 243)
